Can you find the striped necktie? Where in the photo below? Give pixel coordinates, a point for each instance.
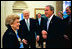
(28, 25)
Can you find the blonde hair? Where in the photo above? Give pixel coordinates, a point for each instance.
(11, 18)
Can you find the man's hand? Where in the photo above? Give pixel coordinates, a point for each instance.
(44, 34)
(66, 37)
(37, 38)
(24, 41)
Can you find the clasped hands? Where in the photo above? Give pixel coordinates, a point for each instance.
(44, 35)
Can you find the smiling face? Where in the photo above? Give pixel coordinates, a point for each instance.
(15, 24)
(48, 12)
(26, 14)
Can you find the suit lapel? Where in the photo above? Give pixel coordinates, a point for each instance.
(25, 25)
(40, 22)
(30, 24)
(51, 22)
(37, 22)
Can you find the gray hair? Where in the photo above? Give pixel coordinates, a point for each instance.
(11, 18)
(24, 11)
(51, 7)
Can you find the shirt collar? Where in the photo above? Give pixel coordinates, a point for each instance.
(39, 18)
(51, 17)
(26, 20)
(16, 32)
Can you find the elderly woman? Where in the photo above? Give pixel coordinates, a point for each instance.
(10, 36)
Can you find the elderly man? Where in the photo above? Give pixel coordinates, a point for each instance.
(27, 29)
(53, 28)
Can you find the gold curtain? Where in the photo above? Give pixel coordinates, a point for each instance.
(59, 6)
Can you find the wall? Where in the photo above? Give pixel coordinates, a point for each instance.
(3, 16)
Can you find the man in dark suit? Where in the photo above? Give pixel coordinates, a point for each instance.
(54, 29)
(39, 27)
(68, 33)
(27, 31)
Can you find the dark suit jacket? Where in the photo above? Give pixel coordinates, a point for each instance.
(40, 27)
(67, 26)
(67, 20)
(10, 39)
(55, 33)
(67, 31)
(24, 33)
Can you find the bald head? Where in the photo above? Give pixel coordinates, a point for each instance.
(26, 14)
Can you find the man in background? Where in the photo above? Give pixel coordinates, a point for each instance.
(40, 21)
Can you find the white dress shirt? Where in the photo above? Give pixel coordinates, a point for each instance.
(48, 22)
(28, 23)
(39, 20)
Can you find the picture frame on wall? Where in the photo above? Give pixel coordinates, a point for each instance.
(40, 10)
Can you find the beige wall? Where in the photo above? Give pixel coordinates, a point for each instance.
(3, 16)
(59, 6)
(7, 6)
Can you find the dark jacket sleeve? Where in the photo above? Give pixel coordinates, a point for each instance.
(5, 42)
(9, 41)
(20, 31)
(36, 24)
